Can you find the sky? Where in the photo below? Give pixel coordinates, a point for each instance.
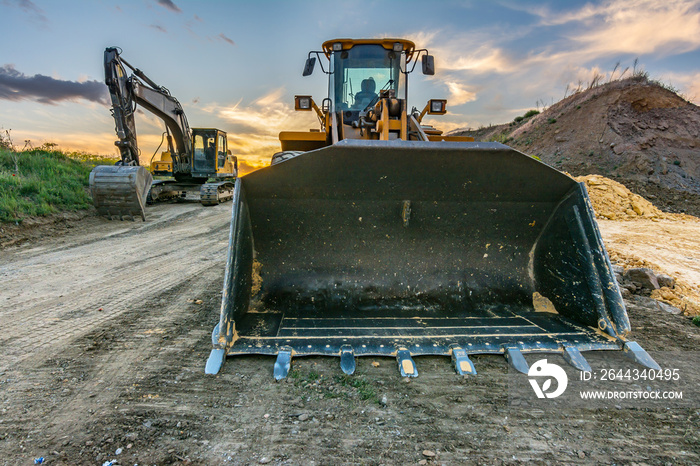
(236, 65)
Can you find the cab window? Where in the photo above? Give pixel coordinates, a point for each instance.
(221, 154)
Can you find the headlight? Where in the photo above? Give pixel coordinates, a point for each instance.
(437, 106)
(302, 102)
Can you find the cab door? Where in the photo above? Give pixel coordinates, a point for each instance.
(221, 151)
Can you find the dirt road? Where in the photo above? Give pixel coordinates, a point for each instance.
(104, 333)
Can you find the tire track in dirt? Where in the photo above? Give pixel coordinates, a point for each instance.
(111, 274)
(139, 339)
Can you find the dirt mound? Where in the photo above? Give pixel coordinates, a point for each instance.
(651, 235)
(633, 130)
(614, 201)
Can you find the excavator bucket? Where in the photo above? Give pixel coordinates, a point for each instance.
(401, 248)
(120, 191)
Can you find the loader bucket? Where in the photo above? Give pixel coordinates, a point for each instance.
(401, 248)
(120, 191)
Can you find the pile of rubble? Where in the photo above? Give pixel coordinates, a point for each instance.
(642, 282)
(613, 201)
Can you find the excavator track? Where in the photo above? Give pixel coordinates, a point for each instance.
(216, 193)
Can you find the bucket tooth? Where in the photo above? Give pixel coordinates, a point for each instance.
(516, 359)
(215, 361)
(407, 366)
(574, 357)
(347, 359)
(637, 354)
(463, 365)
(283, 363)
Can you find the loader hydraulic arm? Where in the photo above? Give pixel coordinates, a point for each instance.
(128, 91)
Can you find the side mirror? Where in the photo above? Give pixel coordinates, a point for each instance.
(309, 66)
(428, 65)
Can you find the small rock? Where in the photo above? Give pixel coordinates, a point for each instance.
(428, 453)
(666, 280)
(304, 417)
(264, 460)
(375, 364)
(581, 454)
(384, 400)
(266, 416)
(643, 276)
(668, 308)
(128, 447)
(423, 462)
(118, 451)
(626, 293)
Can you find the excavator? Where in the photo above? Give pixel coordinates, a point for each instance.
(378, 235)
(193, 156)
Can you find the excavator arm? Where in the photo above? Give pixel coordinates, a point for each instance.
(128, 91)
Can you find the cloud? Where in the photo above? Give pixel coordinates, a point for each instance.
(245, 167)
(264, 114)
(458, 94)
(28, 7)
(169, 5)
(158, 28)
(688, 83)
(485, 59)
(15, 86)
(631, 26)
(223, 37)
(254, 128)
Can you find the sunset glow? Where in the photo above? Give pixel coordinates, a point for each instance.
(237, 65)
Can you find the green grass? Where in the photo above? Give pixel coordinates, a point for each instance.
(41, 182)
(362, 385)
(696, 320)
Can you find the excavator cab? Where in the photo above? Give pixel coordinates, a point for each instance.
(211, 156)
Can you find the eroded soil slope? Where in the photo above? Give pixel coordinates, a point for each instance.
(634, 131)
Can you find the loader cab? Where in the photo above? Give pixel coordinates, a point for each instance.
(362, 70)
(210, 154)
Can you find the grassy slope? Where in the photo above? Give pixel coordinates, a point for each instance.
(43, 182)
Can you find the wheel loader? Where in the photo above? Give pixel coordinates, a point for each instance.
(377, 235)
(193, 156)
